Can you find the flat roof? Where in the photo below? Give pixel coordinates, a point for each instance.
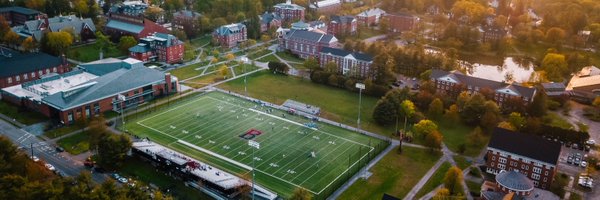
(61, 83)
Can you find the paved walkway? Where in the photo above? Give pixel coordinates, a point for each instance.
(413, 192)
(12, 121)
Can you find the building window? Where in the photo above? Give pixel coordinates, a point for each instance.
(537, 170)
(17, 78)
(25, 76)
(546, 173)
(535, 176)
(54, 69)
(9, 80)
(501, 166)
(70, 117)
(502, 160)
(96, 108)
(545, 179)
(32, 74)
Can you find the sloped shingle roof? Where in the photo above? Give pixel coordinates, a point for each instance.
(526, 145)
(120, 25)
(20, 63)
(483, 83)
(311, 36)
(343, 53)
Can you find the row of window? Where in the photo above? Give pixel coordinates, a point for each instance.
(33, 74)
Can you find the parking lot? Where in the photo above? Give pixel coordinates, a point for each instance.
(574, 170)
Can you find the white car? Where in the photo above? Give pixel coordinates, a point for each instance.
(591, 142)
(35, 158)
(50, 167)
(123, 180)
(583, 164)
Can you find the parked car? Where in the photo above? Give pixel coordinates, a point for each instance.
(583, 164)
(577, 161)
(60, 149)
(35, 158)
(590, 142)
(123, 180)
(575, 146)
(570, 160)
(116, 176)
(61, 173)
(50, 167)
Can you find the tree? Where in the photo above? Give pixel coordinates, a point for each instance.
(112, 150)
(28, 44)
(230, 56)
(473, 109)
(311, 64)
(516, 120)
(424, 128)
(301, 194)
(102, 41)
(537, 107)
(555, 66)
(433, 140)
(506, 125)
(441, 194)
(126, 42)
(407, 110)
(11, 38)
(224, 71)
(153, 13)
(4, 27)
(385, 112)
(436, 109)
(473, 11)
(278, 67)
(555, 36)
(57, 42)
(453, 180)
(35, 4)
(452, 114)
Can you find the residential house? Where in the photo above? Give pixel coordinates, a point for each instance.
(16, 15)
(289, 12)
(84, 29)
(353, 64)
(554, 89)
(229, 36)
(514, 185)
(455, 82)
(370, 17)
(306, 43)
(17, 68)
(400, 22)
(493, 34)
(326, 6)
(342, 25)
(158, 47)
(269, 21)
(512, 151)
(92, 89)
(584, 86)
(188, 21)
(120, 25)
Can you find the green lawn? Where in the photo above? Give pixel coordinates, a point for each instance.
(141, 171)
(289, 57)
(462, 162)
(198, 42)
(57, 132)
(258, 54)
(474, 187)
(336, 104)
(269, 58)
(75, 144)
(24, 116)
(204, 80)
(395, 175)
(188, 71)
(239, 70)
(216, 121)
(554, 119)
(435, 180)
(455, 135)
(365, 33)
(89, 52)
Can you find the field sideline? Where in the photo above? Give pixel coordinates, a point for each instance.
(209, 127)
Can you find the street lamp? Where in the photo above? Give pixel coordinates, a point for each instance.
(244, 62)
(360, 87)
(255, 145)
(122, 98)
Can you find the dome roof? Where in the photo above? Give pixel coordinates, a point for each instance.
(514, 181)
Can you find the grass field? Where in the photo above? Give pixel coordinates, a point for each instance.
(21, 115)
(75, 144)
(90, 52)
(435, 180)
(209, 127)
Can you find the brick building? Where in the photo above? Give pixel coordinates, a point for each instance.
(188, 21)
(306, 43)
(455, 82)
(17, 68)
(349, 63)
(269, 21)
(92, 89)
(16, 15)
(82, 27)
(130, 8)
(289, 12)
(400, 22)
(229, 36)
(493, 34)
(342, 25)
(158, 47)
(326, 6)
(512, 151)
(370, 17)
(513, 185)
(120, 25)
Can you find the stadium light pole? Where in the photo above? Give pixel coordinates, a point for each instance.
(360, 87)
(255, 145)
(122, 98)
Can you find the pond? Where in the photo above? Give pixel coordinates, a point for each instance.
(512, 69)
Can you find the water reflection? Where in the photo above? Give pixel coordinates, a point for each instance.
(513, 69)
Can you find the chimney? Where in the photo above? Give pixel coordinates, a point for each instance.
(168, 82)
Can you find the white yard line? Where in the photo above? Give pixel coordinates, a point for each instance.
(215, 154)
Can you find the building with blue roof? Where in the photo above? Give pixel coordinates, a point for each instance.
(82, 27)
(158, 47)
(92, 89)
(230, 35)
(349, 63)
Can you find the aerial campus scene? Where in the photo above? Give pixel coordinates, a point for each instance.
(299, 99)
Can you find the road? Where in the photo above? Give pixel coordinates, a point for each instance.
(45, 152)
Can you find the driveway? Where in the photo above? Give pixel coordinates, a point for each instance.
(576, 115)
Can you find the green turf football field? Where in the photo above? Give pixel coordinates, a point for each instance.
(208, 127)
